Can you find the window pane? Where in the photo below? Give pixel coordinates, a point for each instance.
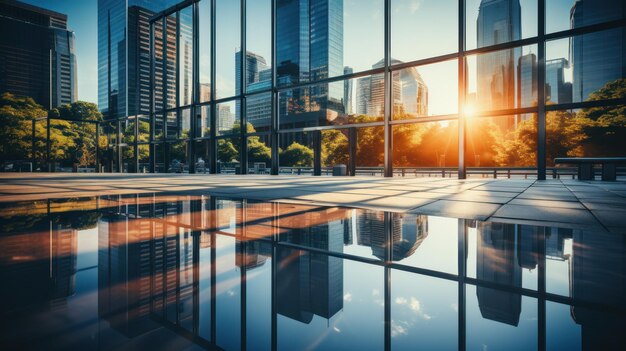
(204, 49)
(425, 90)
(171, 121)
(422, 308)
(259, 112)
(570, 14)
(432, 144)
(412, 24)
(185, 56)
(258, 45)
(586, 67)
(499, 21)
(228, 42)
(359, 100)
(504, 79)
(144, 129)
(178, 157)
(144, 158)
(202, 156)
(228, 155)
(203, 121)
(327, 38)
(158, 126)
(587, 132)
(296, 153)
(334, 147)
(259, 154)
(185, 123)
(170, 60)
(228, 121)
(502, 141)
(370, 151)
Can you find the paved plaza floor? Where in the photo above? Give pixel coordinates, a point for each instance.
(592, 205)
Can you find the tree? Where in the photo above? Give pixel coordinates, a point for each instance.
(296, 155)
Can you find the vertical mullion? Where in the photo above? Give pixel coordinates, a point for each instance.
(541, 303)
(388, 141)
(152, 148)
(274, 142)
(388, 223)
(177, 98)
(242, 79)
(462, 272)
(213, 227)
(212, 141)
(97, 124)
(243, 253)
(541, 99)
(462, 118)
(195, 88)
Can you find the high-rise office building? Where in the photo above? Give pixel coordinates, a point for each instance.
(409, 92)
(124, 56)
(309, 48)
(496, 262)
(258, 77)
(558, 90)
(597, 58)
(37, 57)
(499, 21)
(348, 86)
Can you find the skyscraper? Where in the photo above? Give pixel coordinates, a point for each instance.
(597, 58)
(499, 21)
(309, 38)
(558, 90)
(36, 54)
(347, 91)
(258, 77)
(496, 262)
(409, 92)
(124, 55)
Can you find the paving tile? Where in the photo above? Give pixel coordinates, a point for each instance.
(458, 209)
(611, 218)
(394, 204)
(547, 203)
(539, 196)
(480, 198)
(551, 214)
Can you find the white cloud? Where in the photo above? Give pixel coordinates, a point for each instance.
(415, 305)
(415, 5)
(347, 297)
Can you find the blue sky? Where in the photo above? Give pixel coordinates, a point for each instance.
(412, 37)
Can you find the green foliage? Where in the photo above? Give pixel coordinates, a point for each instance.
(296, 155)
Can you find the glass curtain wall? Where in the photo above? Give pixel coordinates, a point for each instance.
(454, 88)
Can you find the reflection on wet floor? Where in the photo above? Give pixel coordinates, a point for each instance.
(198, 271)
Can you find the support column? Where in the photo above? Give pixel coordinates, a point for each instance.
(352, 145)
(33, 147)
(97, 147)
(317, 153)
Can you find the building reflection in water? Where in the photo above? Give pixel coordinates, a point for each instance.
(149, 262)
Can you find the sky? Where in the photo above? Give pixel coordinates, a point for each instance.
(413, 38)
(82, 18)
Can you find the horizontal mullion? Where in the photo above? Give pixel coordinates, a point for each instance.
(425, 119)
(338, 126)
(586, 104)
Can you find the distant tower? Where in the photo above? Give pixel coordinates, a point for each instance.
(37, 56)
(597, 58)
(499, 21)
(347, 91)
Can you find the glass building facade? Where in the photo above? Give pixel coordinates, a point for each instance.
(388, 87)
(37, 57)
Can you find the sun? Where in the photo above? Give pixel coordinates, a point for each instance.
(469, 111)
